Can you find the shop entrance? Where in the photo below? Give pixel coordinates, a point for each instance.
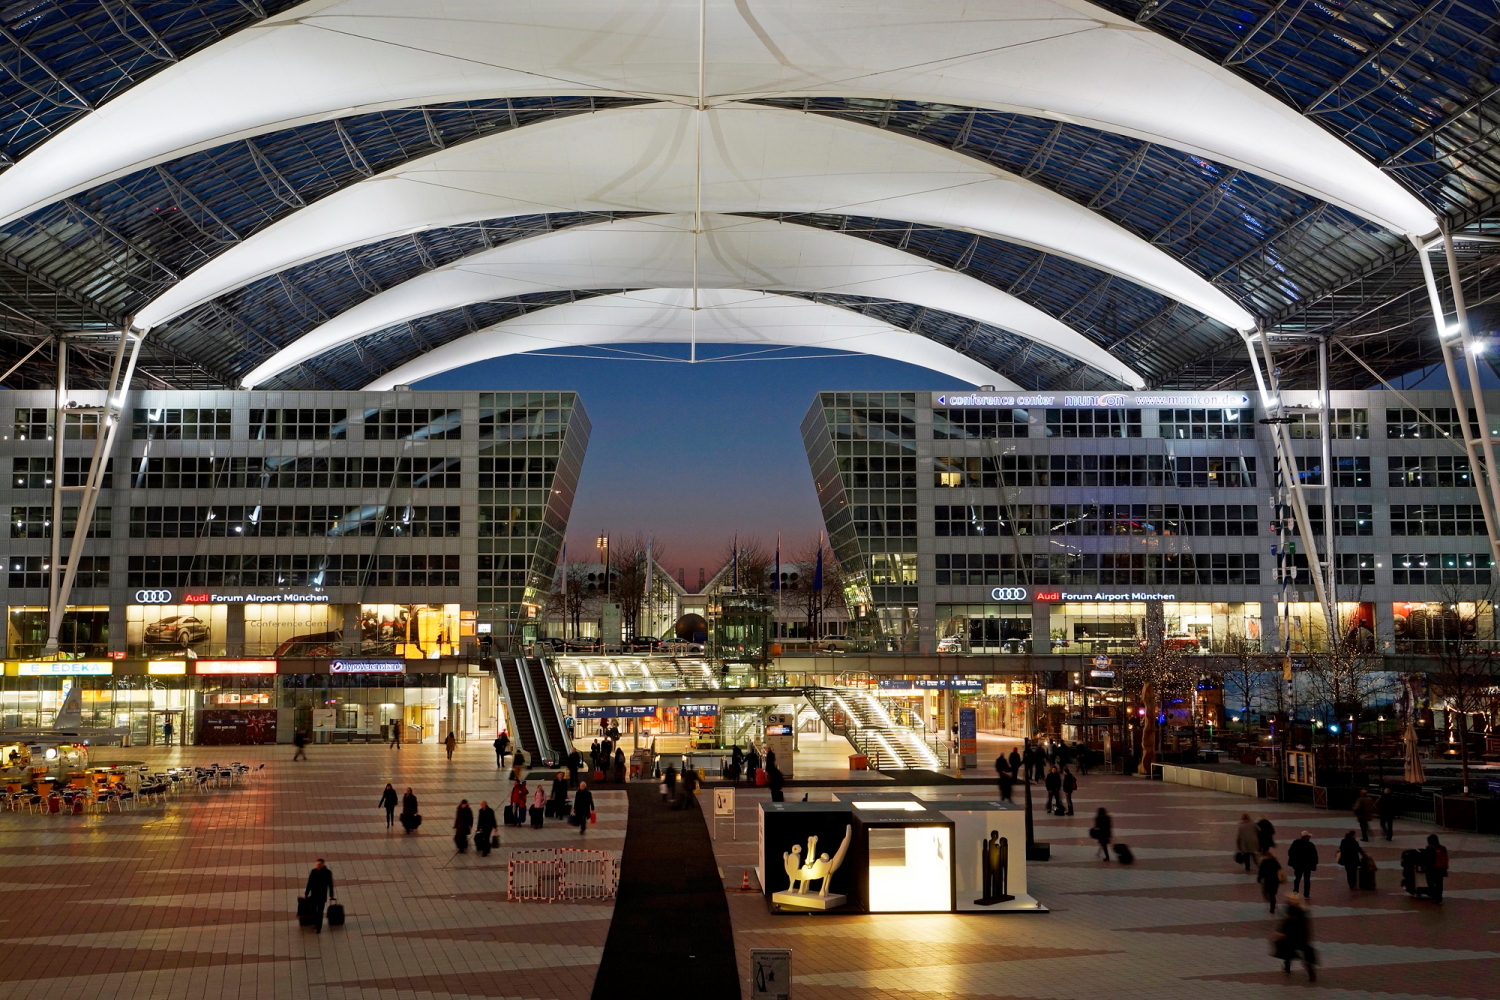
(159, 720)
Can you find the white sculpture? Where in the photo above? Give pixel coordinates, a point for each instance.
(803, 875)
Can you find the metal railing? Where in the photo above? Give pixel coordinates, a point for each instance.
(561, 874)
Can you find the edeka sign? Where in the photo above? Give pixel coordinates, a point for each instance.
(1099, 596)
(367, 666)
(1111, 400)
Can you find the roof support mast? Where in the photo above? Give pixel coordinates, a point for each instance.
(121, 372)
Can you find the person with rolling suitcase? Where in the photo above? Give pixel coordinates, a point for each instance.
(1124, 854)
(538, 807)
(1102, 831)
(484, 833)
(410, 818)
(1351, 858)
(517, 808)
(463, 822)
(1367, 871)
(318, 892)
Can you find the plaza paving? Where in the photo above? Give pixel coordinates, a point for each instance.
(195, 897)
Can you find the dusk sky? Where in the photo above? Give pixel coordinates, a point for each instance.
(694, 453)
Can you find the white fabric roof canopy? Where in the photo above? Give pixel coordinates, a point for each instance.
(661, 252)
(1062, 59)
(667, 316)
(754, 159)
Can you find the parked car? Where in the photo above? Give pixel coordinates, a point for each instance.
(178, 630)
(1182, 642)
(951, 644)
(672, 645)
(643, 643)
(834, 643)
(315, 645)
(581, 644)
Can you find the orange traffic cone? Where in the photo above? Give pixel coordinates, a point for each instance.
(745, 881)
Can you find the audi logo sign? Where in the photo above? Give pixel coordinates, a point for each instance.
(1008, 594)
(153, 597)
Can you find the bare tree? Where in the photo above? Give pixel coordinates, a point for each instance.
(1244, 674)
(1346, 675)
(754, 562)
(1463, 648)
(627, 585)
(569, 600)
(1161, 675)
(814, 603)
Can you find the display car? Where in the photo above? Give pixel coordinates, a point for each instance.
(178, 630)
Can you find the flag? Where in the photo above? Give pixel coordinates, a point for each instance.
(818, 572)
(734, 550)
(776, 576)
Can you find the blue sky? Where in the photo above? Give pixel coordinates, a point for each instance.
(694, 453)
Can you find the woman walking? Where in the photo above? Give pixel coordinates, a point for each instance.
(1351, 857)
(1294, 937)
(484, 833)
(1270, 875)
(1103, 831)
(388, 803)
(538, 806)
(410, 818)
(463, 822)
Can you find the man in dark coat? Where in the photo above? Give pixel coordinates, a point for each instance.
(583, 807)
(319, 890)
(1387, 807)
(1054, 791)
(1015, 764)
(775, 781)
(484, 832)
(502, 744)
(1006, 778)
(1302, 859)
(1267, 834)
(463, 822)
(408, 811)
(388, 803)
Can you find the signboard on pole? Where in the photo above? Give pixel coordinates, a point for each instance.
(723, 801)
(968, 738)
(770, 974)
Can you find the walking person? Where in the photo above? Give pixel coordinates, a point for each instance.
(1015, 764)
(518, 797)
(1270, 875)
(1302, 859)
(1294, 938)
(538, 806)
(484, 830)
(1054, 791)
(502, 743)
(1266, 834)
(1434, 863)
(1247, 842)
(518, 761)
(463, 822)
(1103, 831)
(1387, 808)
(388, 803)
(1364, 811)
(1069, 786)
(669, 785)
(395, 728)
(583, 807)
(619, 770)
(410, 818)
(450, 741)
(319, 890)
(1351, 858)
(299, 740)
(775, 781)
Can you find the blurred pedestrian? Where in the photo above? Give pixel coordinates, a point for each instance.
(1351, 858)
(1103, 831)
(1294, 938)
(299, 740)
(484, 831)
(775, 781)
(1364, 811)
(1302, 859)
(319, 890)
(450, 741)
(410, 818)
(502, 744)
(1434, 864)
(1266, 834)
(463, 822)
(1270, 875)
(1387, 807)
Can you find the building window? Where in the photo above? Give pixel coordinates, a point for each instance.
(420, 425)
(1437, 519)
(175, 473)
(1440, 568)
(889, 569)
(1444, 422)
(36, 473)
(298, 425)
(423, 522)
(531, 418)
(968, 425)
(1356, 569)
(885, 520)
(504, 571)
(1230, 520)
(512, 522)
(1309, 469)
(1351, 471)
(252, 521)
(1210, 425)
(180, 425)
(515, 473)
(1348, 425)
(1429, 470)
(36, 522)
(877, 472)
(960, 471)
(1353, 519)
(415, 571)
(971, 569)
(34, 424)
(1172, 568)
(300, 570)
(1083, 470)
(1094, 423)
(1229, 472)
(32, 572)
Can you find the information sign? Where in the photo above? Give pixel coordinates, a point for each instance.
(968, 737)
(723, 801)
(770, 974)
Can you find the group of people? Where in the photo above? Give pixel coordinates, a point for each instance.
(1049, 763)
(1254, 847)
(752, 765)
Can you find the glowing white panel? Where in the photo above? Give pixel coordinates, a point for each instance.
(1062, 59)
(922, 881)
(660, 252)
(752, 320)
(645, 159)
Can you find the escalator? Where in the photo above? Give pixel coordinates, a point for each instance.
(518, 709)
(549, 719)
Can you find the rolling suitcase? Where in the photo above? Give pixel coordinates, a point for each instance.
(509, 816)
(410, 821)
(536, 818)
(335, 914)
(461, 842)
(1124, 855)
(1367, 874)
(307, 914)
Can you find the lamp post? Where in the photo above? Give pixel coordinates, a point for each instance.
(602, 544)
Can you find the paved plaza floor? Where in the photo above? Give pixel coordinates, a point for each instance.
(195, 898)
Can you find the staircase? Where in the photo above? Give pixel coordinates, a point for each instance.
(876, 729)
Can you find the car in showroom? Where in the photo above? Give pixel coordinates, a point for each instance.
(177, 630)
(951, 644)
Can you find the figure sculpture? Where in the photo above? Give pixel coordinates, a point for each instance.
(802, 874)
(994, 863)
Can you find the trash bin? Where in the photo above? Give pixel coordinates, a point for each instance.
(859, 762)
